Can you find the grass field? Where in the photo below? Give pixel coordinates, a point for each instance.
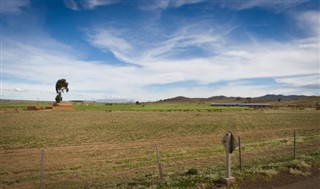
(113, 146)
(154, 107)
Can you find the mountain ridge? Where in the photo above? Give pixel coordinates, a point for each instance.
(274, 98)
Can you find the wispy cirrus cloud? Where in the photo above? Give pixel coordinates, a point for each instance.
(200, 36)
(165, 4)
(106, 39)
(235, 5)
(142, 50)
(109, 40)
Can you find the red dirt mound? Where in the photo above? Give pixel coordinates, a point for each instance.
(33, 108)
(62, 106)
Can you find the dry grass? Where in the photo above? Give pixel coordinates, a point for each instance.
(84, 147)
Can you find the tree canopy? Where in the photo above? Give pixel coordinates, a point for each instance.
(61, 86)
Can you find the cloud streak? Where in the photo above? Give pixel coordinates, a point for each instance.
(270, 4)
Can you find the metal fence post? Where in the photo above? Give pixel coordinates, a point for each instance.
(42, 169)
(228, 157)
(159, 163)
(240, 157)
(294, 144)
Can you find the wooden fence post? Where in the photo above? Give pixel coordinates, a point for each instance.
(159, 163)
(240, 157)
(42, 169)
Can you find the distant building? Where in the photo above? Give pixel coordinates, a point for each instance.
(254, 105)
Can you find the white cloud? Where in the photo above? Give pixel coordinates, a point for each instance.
(87, 4)
(91, 4)
(13, 6)
(309, 21)
(179, 3)
(239, 54)
(17, 89)
(309, 81)
(105, 39)
(165, 4)
(71, 4)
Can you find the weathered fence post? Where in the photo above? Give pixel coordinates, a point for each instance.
(42, 169)
(240, 156)
(228, 157)
(230, 143)
(294, 144)
(159, 163)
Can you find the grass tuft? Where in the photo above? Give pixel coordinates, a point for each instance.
(297, 172)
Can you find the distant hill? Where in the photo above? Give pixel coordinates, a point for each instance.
(186, 100)
(281, 100)
(180, 99)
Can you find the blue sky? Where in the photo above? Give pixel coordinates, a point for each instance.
(149, 50)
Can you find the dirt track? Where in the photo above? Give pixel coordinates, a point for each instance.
(312, 183)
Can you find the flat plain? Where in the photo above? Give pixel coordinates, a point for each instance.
(106, 146)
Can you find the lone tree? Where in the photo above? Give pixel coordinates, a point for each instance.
(61, 86)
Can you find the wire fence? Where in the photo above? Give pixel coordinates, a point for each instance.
(38, 168)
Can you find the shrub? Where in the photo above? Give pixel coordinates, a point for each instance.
(192, 171)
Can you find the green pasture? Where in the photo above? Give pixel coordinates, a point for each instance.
(122, 106)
